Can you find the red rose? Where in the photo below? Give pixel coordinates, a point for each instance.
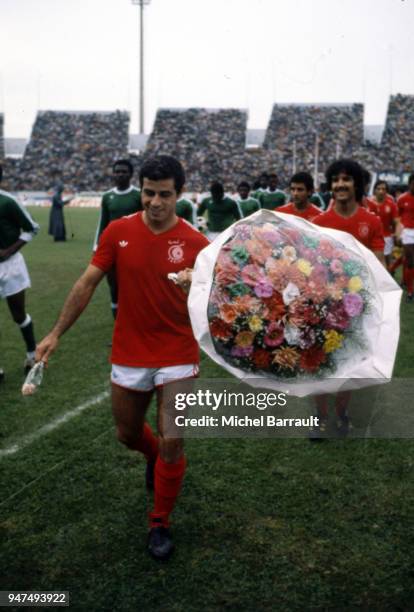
(311, 359)
(220, 329)
(261, 359)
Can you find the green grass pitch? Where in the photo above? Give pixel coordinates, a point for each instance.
(262, 524)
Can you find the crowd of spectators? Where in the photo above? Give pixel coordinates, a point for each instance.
(79, 148)
(207, 141)
(296, 131)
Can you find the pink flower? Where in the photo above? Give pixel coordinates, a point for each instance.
(227, 274)
(263, 288)
(336, 266)
(274, 335)
(337, 317)
(239, 351)
(242, 232)
(252, 274)
(353, 304)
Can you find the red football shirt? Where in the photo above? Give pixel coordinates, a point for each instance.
(405, 205)
(387, 211)
(310, 212)
(363, 225)
(152, 327)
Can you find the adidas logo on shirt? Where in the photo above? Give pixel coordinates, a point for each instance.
(123, 243)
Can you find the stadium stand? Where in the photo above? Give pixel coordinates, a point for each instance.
(209, 142)
(294, 129)
(398, 138)
(80, 147)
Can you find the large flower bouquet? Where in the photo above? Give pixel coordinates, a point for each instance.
(285, 302)
(291, 302)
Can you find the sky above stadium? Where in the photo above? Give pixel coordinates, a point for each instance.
(83, 55)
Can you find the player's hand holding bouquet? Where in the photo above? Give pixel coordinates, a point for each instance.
(291, 305)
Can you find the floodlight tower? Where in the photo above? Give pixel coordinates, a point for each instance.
(141, 4)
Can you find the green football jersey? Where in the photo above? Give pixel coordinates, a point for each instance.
(248, 206)
(15, 222)
(257, 193)
(116, 204)
(220, 214)
(272, 199)
(185, 209)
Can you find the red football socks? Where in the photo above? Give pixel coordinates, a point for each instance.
(167, 486)
(147, 443)
(341, 403)
(322, 405)
(409, 275)
(397, 263)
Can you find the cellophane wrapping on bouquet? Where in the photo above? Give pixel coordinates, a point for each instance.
(287, 305)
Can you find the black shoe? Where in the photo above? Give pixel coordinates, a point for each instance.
(160, 545)
(149, 475)
(410, 298)
(1, 375)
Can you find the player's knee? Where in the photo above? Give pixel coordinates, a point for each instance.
(126, 437)
(171, 450)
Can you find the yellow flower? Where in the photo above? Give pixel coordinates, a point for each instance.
(304, 266)
(333, 341)
(244, 339)
(355, 284)
(255, 323)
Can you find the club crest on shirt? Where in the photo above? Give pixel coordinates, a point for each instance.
(363, 229)
(175, 251)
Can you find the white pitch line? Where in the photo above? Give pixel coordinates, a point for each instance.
(25, 441)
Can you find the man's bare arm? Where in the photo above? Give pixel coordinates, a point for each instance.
(76, 302)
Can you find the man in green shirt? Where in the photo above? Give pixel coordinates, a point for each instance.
(184, 208)
(260, 185)
(122, 200)
(247, 205)
(17, 228)
(222, 211)
(273, 197)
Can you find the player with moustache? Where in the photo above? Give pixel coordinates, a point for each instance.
(345, 178)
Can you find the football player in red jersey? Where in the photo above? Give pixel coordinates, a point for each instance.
(405, 231)
(346, 181)
(387, 211)
(153, 340)
(301, 189)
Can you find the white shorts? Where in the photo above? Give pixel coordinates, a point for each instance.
(389, 245)
(146, 379)
(407, 236)
(14, 276)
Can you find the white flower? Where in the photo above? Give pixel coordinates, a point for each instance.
(290, 293)
(292, 335)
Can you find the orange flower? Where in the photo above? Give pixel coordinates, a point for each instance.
(283, 272)
(244, 339)
(246, 304)
(228, 313)
(286, 357)
(258, 251)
